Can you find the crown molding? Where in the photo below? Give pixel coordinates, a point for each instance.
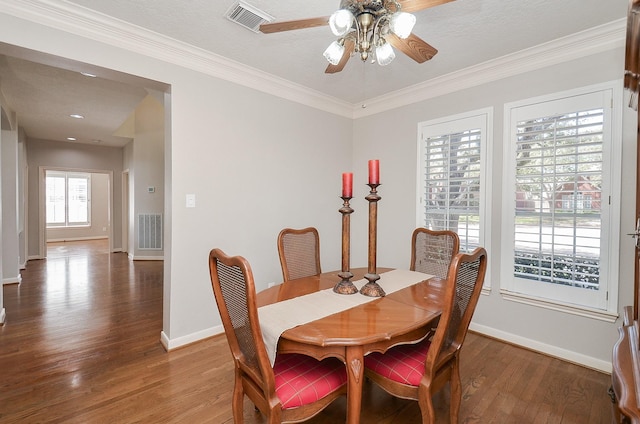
(108, 30)
(595, 40)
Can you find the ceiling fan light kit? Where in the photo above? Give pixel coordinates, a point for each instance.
(368, 23)
(384, 54)
(402, 23)
(341, 22)
(366, 27)
(334, 52)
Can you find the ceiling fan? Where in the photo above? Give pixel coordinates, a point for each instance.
(368, 27)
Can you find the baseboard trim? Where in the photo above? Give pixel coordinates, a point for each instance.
(146, 258)
(170, 344)
(54, 240)
(12, 280)
(554, 351)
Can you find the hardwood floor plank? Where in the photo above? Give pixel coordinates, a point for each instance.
(81, 345)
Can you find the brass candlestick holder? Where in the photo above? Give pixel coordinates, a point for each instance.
(372, 288)
(345, 286)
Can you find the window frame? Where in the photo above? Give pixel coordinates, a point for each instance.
(66, 175)
(482, 118)
(603, 304)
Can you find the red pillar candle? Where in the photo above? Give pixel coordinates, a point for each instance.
(374, 171)
(347, 184)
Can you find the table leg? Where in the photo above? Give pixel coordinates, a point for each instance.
(355, 373)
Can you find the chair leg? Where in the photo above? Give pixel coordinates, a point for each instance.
(425, 400)
(236, 403)
(456, 391)
(275, 416)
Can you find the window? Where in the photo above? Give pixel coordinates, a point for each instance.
(452, 173)
(67, 198)
(558, 221)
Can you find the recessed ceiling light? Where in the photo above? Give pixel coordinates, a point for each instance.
(87, 74)
(97, 141)
(71, 138)
(75, 115)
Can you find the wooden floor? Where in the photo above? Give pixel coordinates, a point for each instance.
(81, 345)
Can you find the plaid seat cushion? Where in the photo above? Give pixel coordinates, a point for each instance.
(403, 364)
(301, 379)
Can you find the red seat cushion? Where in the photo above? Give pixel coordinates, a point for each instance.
(301, 379)
(404, 363)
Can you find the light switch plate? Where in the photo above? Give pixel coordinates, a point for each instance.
(191, 200)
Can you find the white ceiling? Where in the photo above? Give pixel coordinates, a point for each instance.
(466, 33)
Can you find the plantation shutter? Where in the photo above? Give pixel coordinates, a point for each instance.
(451, 182)
(558, 193)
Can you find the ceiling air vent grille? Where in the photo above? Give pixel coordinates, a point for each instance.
(248, 16)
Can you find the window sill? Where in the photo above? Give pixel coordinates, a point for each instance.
(67, 227)
(598, 314)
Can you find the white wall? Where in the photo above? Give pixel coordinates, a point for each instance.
(4, 122)
(576, 338)
(10, 245)
(148, 169)
(22, 199)
(256, 164)
(127, 199)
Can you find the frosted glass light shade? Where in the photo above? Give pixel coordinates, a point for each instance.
(334, 53)
(385, 54)
(401, 24)
(341, 22)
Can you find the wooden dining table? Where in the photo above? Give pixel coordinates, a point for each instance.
(404, 316)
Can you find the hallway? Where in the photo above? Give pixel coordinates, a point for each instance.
(77, 319)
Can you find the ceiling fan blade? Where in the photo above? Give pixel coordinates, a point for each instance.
(416, 5)
(291, 25)
(349, 45)
(413, 46)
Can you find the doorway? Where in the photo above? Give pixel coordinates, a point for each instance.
(101, 210)
(66, 75)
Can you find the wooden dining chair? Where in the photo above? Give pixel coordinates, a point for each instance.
(297, 387)
(432, 251)
(299, 252)
(420, 370)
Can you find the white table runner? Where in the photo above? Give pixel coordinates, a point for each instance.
(281, 316)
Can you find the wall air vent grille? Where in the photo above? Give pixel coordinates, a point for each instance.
(248, 16)
(150, 231)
